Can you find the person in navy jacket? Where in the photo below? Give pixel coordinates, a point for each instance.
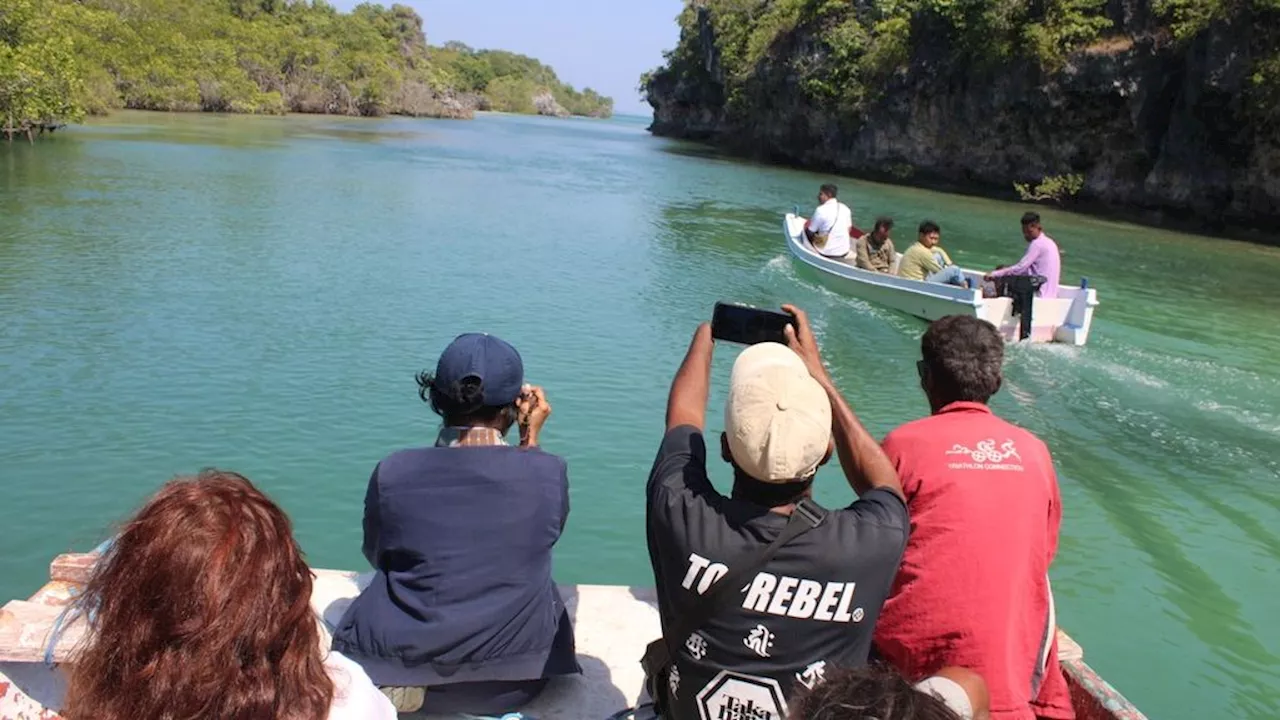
(462, 615)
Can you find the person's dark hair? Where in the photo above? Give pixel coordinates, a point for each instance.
(462, 404)
(873, 691)
(929, 226)
(201, 608)
(829, 189)
(1031, 218)
(963, 356)
(883, 222)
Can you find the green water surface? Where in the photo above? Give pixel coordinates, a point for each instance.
(184, 291)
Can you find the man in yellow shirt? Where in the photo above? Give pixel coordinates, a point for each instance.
(926, 260)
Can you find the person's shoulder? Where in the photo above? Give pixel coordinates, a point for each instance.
(681, 464)
(682, 438)
(539, 458)
(1022, 438)
(880, 512)
(407, 457)
(911, 431)
(915, 252)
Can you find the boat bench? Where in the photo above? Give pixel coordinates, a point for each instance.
(612, 623)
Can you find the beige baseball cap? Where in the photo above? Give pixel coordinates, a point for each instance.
(777, 417)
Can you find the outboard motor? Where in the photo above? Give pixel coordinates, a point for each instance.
(1022, 289)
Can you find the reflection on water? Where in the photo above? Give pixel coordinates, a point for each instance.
(180, 291)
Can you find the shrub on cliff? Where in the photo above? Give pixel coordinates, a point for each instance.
(1058, 189)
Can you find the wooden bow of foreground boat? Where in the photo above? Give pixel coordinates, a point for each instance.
(1066, 319)
(612, 623)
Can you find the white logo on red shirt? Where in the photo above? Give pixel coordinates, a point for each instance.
(987, 457)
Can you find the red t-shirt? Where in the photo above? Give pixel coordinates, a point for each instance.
(973, 589)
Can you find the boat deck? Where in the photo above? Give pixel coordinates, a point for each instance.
(612, 623)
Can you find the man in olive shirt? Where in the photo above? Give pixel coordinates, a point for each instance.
(875, 251)
(926, 260)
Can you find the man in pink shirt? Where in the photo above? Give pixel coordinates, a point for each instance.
(1040, 259)
(973, 588)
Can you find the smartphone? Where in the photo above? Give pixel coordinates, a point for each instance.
(748, 325)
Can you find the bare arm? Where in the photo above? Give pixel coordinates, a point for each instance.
(1028, 258)
(687, 403)
(974, 686)
(865, 465)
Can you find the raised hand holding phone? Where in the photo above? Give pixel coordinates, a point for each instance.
(800, 338)
(747, 325)
(532, 411)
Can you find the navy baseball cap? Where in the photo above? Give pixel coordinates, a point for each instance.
(493, 361)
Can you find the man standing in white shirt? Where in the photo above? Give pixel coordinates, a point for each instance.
(828, 229)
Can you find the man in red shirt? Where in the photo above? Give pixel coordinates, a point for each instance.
(973, 588)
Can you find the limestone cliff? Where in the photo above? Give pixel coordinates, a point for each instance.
(546, 104)
(1178, 128)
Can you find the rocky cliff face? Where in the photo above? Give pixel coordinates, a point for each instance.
(546, 104)
(1156, 126)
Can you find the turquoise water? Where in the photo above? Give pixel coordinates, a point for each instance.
(256, 293)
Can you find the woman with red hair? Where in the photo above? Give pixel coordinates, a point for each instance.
(200, 609)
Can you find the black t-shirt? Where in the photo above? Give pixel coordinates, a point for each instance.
(813, 606)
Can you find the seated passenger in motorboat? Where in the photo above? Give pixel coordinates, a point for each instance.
(875, 251)
(829, 228)
(1041, 258)
(926, 260)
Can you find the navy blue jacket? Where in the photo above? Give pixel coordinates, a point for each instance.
(461, 539)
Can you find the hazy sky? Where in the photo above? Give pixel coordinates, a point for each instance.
(602, 44)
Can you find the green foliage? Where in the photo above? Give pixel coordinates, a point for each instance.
(62, 58)
(1055, 188)
(40, 76)
(1066, 26)
(1187, 19)
(509, 81)
(512, 94)
(853, 50)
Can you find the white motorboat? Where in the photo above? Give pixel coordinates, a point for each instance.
(1065, 319)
